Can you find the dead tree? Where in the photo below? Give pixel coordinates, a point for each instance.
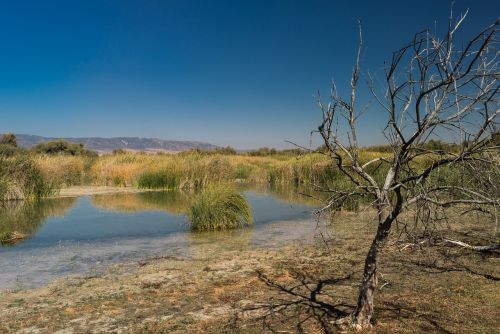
(430, 88)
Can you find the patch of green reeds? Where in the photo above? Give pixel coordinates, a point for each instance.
(219, 208)
(162, 179)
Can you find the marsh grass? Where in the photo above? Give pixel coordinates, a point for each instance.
(219, 208)
(21, 178)
(66, 170)
(190, 170)
(195, 170)
(162, 179)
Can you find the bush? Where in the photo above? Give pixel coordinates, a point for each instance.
(8, 145)
(219, 208)
(228, 150)
(9, 139)
(262, 152)
(119, 151)
(63, 147)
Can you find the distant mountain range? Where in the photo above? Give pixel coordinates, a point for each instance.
(105, 145)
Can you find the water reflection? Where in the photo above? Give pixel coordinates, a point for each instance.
(175, 202)
(105, 229)
(287, 193)
(21, 219)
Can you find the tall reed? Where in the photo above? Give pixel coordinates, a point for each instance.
(20, 178)
(219, 208)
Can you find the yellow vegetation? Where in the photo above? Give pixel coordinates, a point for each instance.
(192, 170)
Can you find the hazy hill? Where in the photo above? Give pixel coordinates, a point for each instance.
(104, 145)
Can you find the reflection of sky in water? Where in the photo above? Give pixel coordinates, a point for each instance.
(89, 237)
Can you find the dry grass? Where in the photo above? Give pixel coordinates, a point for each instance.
(188, 170)
(195, 170)
(64, 170)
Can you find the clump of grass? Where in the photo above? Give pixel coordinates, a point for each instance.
(219, 208)
(163, 179)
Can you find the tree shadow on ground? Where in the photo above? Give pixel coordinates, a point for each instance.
(303, 303)
(299, 304)
(402, 313)
(450, 263)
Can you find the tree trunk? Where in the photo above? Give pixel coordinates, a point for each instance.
(364, 310)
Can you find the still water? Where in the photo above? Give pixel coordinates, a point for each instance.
(85, 234)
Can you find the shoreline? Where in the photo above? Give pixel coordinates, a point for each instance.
(185, 244)
(76, 191)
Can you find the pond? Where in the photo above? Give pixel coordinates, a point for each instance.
(86, 234)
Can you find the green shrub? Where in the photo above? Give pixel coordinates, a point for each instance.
(219, 208)
(263, 152)
(63, 147)
(228, 150)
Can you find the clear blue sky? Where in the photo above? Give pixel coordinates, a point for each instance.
(239, 73)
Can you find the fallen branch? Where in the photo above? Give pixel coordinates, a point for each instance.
(476, 248)
(418, 244)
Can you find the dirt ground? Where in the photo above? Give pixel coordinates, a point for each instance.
(301, 287)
